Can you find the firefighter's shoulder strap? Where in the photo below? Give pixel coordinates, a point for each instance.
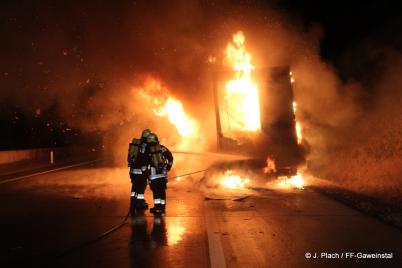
(155, 151)
(133, 148)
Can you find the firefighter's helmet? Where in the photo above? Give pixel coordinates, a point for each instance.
(145, 133)
(152, 138)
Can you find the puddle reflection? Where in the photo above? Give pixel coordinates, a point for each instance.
(152, 238)
(175, 232)
(153, 232)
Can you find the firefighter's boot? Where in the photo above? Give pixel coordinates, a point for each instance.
(133, 203)
(141, 204)
(157, 209)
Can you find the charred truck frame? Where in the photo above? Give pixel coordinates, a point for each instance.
(277, 137)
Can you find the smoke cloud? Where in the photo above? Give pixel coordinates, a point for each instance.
(90, 60)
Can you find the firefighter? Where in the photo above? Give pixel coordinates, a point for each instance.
(161, 162)
(138, 161)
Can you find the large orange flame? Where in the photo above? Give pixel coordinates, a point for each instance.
(164, 105)
(174, 111)
(241, 94)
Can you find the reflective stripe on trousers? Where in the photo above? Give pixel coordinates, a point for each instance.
(136, 171)
(158, 201)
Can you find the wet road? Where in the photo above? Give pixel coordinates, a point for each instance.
(46, 215)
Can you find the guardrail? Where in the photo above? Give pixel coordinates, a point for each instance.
(42, 154)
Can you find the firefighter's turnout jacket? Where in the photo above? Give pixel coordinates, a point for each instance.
(138, 156)
(161, 160)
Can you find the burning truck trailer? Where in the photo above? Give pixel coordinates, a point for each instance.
(259, 124)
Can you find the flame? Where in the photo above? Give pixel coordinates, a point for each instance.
(271, 166)
(296, 181)
(174, 111)
(297, 125)
(299, 132)
(165, 105)
(232, 181)
(241, 94)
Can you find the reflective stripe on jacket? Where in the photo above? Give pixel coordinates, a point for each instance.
(156, 174)
(138, 170)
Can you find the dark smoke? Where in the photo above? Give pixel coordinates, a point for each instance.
(364, 152)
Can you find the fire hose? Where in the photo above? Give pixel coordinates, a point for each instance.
(110, 231)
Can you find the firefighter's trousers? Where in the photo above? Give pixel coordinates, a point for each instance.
(158, 187)
(138, 184)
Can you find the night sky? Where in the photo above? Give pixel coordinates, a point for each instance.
(48, 44)
(347, 23)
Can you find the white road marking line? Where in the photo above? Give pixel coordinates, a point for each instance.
(216, 256)
(48, 171)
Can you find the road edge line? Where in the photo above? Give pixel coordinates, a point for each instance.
(216, 255)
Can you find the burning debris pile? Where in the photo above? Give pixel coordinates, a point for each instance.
(245, 177)
(283, 181)
(232, 181)
(295, 181)
(233, 177)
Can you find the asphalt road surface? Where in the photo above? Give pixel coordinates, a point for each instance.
(46, 220)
